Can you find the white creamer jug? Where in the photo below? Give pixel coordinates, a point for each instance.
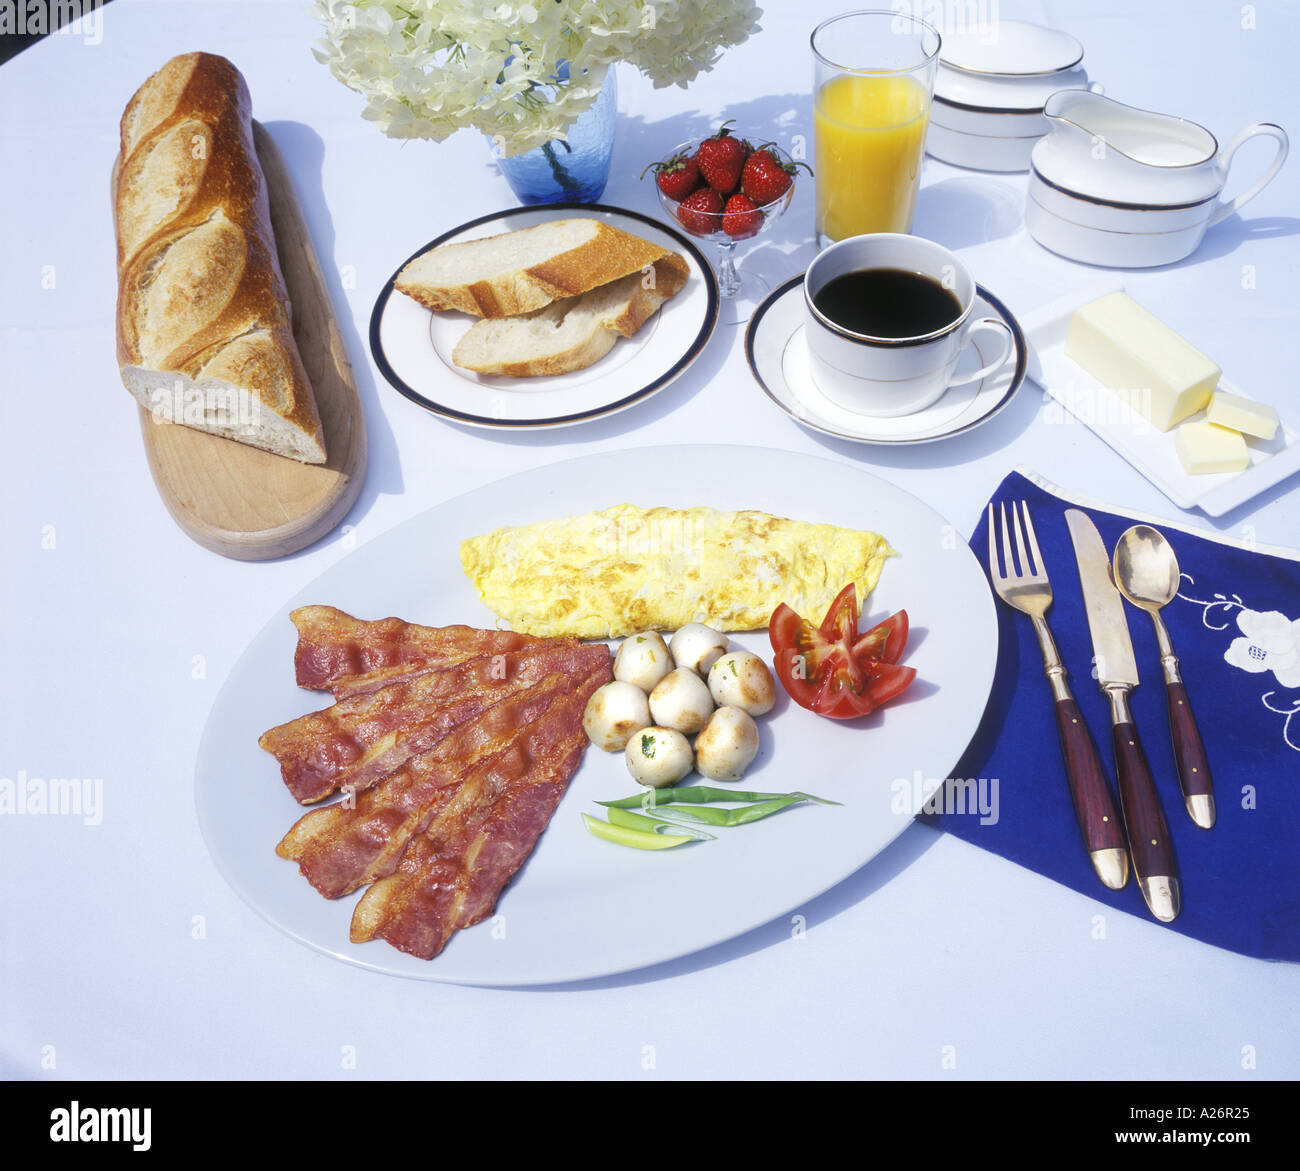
(1114, 185)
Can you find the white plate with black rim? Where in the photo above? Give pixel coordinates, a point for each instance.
(412, 345)
(581, 907)
(777, 349)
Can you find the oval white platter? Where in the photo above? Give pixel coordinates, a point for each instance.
(580, 907)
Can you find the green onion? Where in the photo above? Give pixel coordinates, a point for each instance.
(742, 815)
(636, 838)
(654, 825)
(703, 795)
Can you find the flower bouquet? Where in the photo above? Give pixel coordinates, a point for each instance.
(522, 73)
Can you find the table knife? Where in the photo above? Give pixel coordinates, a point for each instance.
(1116, 669)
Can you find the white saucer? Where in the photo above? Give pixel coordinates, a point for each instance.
(778, 355)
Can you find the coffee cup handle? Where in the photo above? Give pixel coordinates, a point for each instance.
(986, 324)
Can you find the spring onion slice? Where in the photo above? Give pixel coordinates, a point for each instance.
(741, 815)
(656, 825)
(703, 795)
(636, 838)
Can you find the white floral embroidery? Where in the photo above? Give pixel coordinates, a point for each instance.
(1272, 643)
(1221, 602)
(1290, 714)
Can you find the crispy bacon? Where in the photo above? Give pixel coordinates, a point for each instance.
(359, 740)
(453, 745)
(451, 875)
(350, 843)
(333, 645)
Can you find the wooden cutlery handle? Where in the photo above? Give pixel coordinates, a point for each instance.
(1094, 807)
(1148, 833)
(1189, 752)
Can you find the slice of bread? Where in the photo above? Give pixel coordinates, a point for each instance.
(523, 270)
(572, 333)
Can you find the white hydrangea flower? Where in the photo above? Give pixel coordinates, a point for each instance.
(428, 68)
(1271, 643)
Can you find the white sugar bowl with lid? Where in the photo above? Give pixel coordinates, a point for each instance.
(990, 89)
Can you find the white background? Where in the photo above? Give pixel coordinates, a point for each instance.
(935, 948)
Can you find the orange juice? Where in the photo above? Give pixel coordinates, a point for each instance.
(870, 135)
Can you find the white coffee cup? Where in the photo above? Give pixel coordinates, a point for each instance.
(894, 376)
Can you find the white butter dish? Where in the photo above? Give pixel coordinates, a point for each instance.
(1081, 398)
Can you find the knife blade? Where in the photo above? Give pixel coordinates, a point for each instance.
(1152, 851)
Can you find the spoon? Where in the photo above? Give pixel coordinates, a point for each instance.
(1146, 572)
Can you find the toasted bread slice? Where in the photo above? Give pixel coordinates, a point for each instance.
(572, 333)
(523, 270)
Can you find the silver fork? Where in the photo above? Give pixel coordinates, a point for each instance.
(1022, 583)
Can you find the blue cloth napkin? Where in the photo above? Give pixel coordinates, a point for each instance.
(1235, 626)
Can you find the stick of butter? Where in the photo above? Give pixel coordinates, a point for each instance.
(1250, 418)
(1135, 354)
(1205, 447)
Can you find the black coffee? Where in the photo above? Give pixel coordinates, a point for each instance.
(887, 302)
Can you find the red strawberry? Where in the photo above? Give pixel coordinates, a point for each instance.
(741, 219)
(677, 177)
(766, 178)
(721, 159)
(700, 210)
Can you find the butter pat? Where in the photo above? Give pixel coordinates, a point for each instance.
(1250, 418)
(1205, 447)
(1136, 355)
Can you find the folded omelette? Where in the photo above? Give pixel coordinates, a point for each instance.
(627, 569)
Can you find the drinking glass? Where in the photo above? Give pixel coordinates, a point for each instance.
(873, 81)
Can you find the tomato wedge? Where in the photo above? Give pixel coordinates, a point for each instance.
(833, 670)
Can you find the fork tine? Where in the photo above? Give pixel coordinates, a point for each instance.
(993, 546)
(1022, 546)
(1012, 571)
(1033, 540)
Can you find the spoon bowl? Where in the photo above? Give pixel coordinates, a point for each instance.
(1146, 570)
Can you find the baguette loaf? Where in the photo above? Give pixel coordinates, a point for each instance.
(203, 318)
(572, 333)
(519, 271)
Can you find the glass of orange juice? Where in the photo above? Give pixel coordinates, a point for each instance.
(873, 79)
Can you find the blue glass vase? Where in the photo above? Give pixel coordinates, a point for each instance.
(575, 169)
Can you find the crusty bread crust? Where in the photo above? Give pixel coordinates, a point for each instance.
(197, 265)
(629, 316)
(608, 254)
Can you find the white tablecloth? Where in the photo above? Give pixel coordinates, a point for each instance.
(122, 951)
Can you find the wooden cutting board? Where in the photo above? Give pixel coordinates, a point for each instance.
(246, 503)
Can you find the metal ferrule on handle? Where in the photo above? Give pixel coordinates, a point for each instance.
(1168, 660)
(1057, 676)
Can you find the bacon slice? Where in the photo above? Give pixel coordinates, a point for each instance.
(350, 843)
(359, 740)
(451, 875)
(350, 686)
(333, 645)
